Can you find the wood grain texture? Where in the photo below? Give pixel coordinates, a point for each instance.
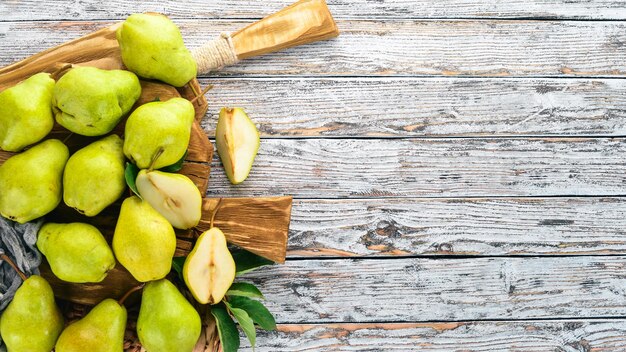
(303, 22)
(525, 336)
(400, 107)
(515, 226)
(30, 10)
(338, 168)
(399, 48)
(418, 290)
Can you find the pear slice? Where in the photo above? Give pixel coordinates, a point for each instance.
(174, 196)
(209, 269)
(238, 141)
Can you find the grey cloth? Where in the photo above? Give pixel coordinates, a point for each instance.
(18, 243)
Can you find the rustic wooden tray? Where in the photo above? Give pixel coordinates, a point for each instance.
(259, 225)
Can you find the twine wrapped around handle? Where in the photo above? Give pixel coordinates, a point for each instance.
(215, 54)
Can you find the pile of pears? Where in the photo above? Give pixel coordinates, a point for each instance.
(91, 102)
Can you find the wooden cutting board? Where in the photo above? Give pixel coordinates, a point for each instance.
(259, 225)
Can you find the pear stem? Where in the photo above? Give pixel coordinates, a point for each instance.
(214, 212)
(68, 137)
(12, 264)
(154, 158)
(55, 75)
(208, 88)
(130, 292)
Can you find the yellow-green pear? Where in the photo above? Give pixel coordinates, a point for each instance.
(153, 47)
(238, 141)
(167, 321)
(90, 101)
(31, 181)
(144, 242)
(26, 112)
(32, 321)
(157, 134)
(94, 176)
(76, 252)
(174, 196)
(101, 330)
(209, 269)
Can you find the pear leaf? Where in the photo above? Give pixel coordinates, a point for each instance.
(130, 174)
(245, 322)
(244, 289)
(177, 265)
(226, 328)
(176, 166)
(256, 310)
(248, 261)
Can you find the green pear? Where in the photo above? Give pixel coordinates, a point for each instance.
(167, 321)
(26, 112)
(153, 47)
(31, 181)
(174, 196)
(94, 176)
(32, 322)
(101, 330)
(144, 241)
(209, 269)
(91, 102)
(238, 141)
(76, 252)
(157, 134)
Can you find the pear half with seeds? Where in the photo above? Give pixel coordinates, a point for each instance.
(174, 196)
(209, 269)
(238, 141)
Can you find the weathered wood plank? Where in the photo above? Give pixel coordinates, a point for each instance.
(401, 107)
(531, 336)
(388, 227)
(414, 290)
(26, 10)
(403, 48)
(331, 168)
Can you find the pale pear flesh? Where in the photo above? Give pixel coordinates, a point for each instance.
(101, 330)
(90, 101)
(174, 196)
(238, 142)
(152, 46)
(157, 134)
(32, 321)
(209, 269)
(31, 181)
(167, 321)
(94, 176)
(144, 241)
(76, 252)
(26, 112)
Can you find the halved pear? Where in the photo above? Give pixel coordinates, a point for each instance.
(174, 196)
(238, 141)
(209, 269)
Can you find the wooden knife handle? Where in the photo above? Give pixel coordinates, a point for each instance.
(304, 22)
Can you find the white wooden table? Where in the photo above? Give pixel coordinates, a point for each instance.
(458, 167)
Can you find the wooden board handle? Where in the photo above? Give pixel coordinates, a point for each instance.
(304, 22)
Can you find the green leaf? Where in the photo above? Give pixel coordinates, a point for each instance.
(177, 265)
(245, 322)
(130, 174)
(226, 328)
(256, 310)
(248, 261)
(244, 289)
(176, 166)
